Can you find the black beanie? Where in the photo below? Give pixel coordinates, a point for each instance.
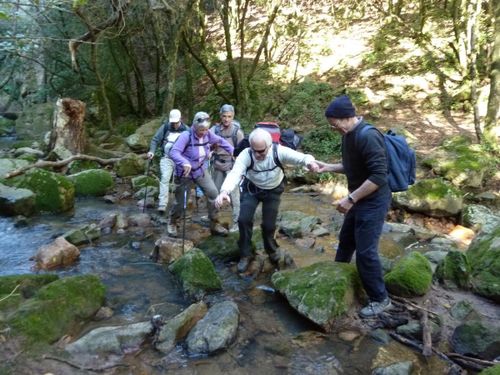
(341, 107)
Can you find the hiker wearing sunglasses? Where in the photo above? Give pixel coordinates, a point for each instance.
(261, 167)
(190, 154)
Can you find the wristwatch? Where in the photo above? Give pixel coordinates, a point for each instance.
(351, 199)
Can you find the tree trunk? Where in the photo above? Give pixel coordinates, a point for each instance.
(68, 130)
(491, 133)
(472, 30)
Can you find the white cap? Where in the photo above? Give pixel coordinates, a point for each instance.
(175, 115)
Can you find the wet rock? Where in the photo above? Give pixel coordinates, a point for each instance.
(169, 249)
(225, 248)
(432, 197)
(484, 256)
(477, 339)
(139, 220)
(16, 201)
(84, 235)
(121, 222)
(103, 313)
(305, 243)
(216, 330)
(454, 272)
(146, 192)
(179, 326)
(400, 368)
(413, 330)
(410, 276)
(296, 224)
(92, 182)
(117, 340)
(108, 222)
(57, 254)
(321, 292)
(54, 192)
(463, 310)
(9, 165)
(480, 218)
(196, 274)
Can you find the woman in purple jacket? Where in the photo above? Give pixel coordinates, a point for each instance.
(190, 154)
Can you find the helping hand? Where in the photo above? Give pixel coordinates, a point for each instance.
(313, 166)
(344, 205)
(221, 199)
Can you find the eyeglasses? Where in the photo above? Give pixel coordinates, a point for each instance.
(260, 152)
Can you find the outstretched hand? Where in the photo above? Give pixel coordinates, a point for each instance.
(323, 167)
(222, 198)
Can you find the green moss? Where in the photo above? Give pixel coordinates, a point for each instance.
(454, 271)
(321, 291)
(54, 193)
(94, 182)
(434, 189)
(226, 248)
(196, 273)
(411, 276)
(57, 307)
(493, 370)
(139, 182)
(82, 165)
(130, 165)
(28, 283)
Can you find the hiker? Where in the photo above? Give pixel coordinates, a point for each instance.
(261, 165)
(222, 162)
(165, 137)
(364, 162)
(190, 153)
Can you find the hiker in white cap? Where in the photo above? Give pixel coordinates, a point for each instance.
(164, 138)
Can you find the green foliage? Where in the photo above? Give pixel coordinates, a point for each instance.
(323, 143)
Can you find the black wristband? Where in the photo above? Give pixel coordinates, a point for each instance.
(351, 199)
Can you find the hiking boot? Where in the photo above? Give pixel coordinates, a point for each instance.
(172, 230)
(275, 259)
(243, 264)
(375, 308)
(235, 228)
(161, 210)
(218, 230)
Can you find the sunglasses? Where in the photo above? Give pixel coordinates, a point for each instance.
(202, 119)
(260, 152)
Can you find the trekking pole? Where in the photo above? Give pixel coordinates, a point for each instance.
(145, 202)
(184, 218)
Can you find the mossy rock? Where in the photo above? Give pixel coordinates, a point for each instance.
(92, 182)
(54, 192)
(82, 165)
(477, 339)
(130, 165)
(454, 272)
(196, 274)
(433, 197)
(493, 370)
(321, 292)
(139, 182)
(484, 256)
(57, 307)
(411, 276)
(226, 248)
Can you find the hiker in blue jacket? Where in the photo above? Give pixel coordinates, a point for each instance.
(364, 162)
(164, 138)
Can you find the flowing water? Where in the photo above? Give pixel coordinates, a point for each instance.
(272, 337)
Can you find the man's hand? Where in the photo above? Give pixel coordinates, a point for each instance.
(150, 155)
(344, 205)
(221, 199)
(313, 166)
(187, 169)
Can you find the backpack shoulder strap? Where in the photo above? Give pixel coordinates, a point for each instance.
(276, 158)
(217, 129)
(251, 158)
(234, 135)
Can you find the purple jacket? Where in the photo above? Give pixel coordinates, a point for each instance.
(186, 150)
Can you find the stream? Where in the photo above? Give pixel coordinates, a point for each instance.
(272, 337)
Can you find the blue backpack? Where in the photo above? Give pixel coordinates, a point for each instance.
(401, 160)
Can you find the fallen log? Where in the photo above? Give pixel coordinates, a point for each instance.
(426, 332)
(62, 163)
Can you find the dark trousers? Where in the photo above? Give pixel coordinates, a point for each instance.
(250, 197)
(361, 232)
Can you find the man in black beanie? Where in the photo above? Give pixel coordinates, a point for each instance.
(364, 163)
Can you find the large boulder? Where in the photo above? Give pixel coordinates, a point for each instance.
(14, 201)
(432, 197)
(321, 292)
(225, 248)
(477, 339)
(411, 276)
(54, 192)
(480, 218)
(56, 308)
(216, 330)
(168, 249)
(196, 274)
(484, 256)
(35, 121)
(296, 224)
(94, 182)
(454, 271)
(139, 141)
